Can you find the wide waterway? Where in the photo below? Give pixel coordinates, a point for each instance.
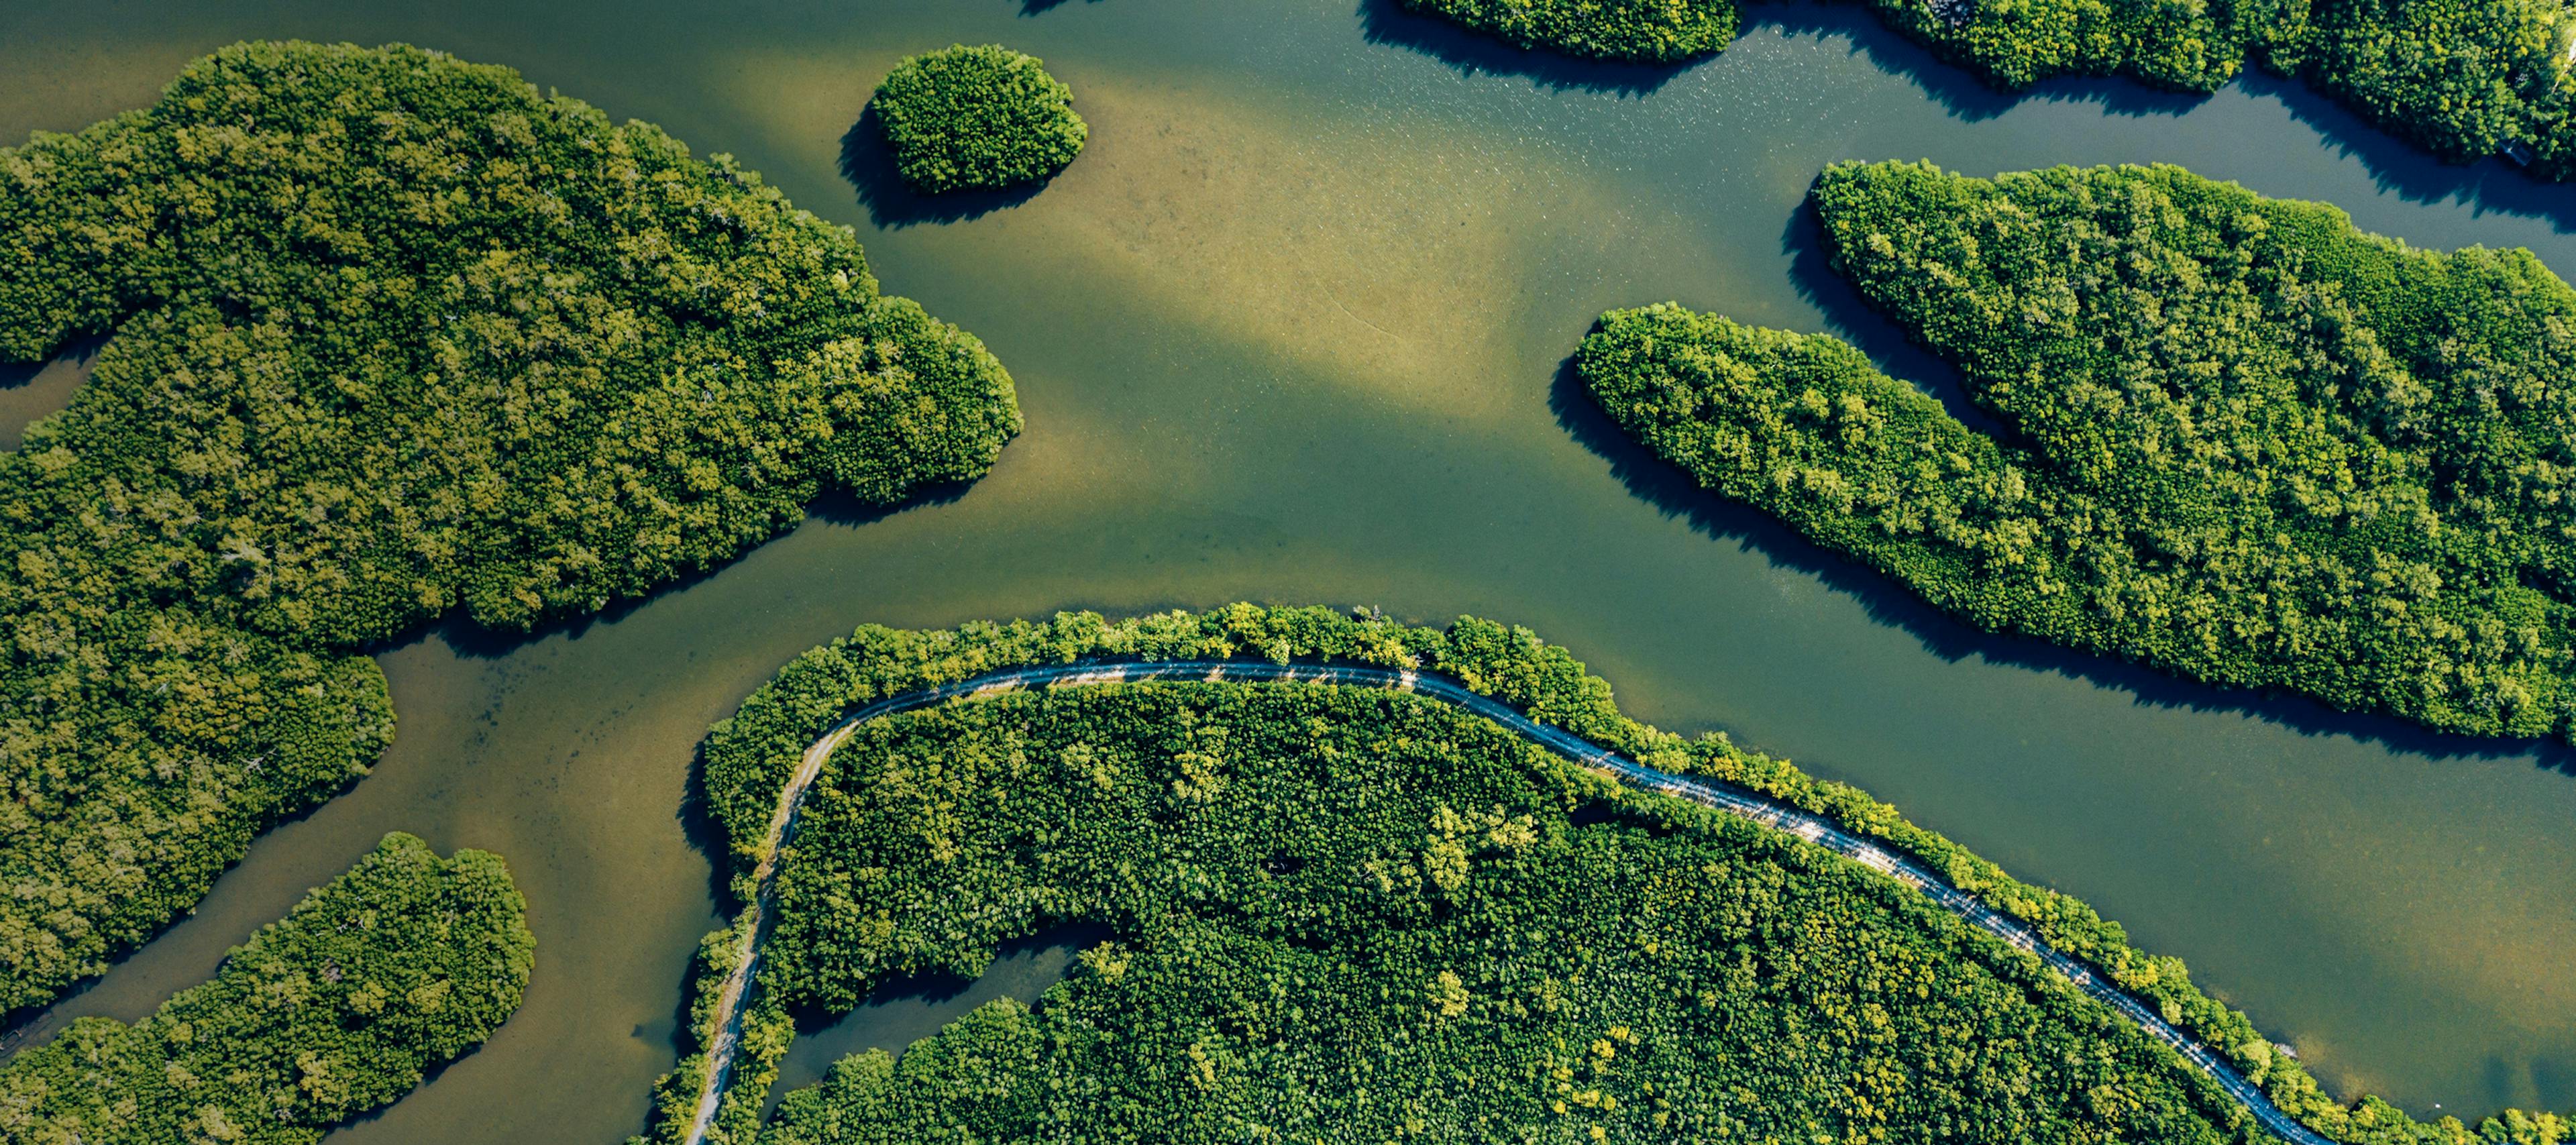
(1290, 331)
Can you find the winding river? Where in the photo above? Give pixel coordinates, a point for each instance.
(1732, 800)
(1290, 331)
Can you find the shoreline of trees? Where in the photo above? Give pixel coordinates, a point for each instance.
(2251, 445)
(976, 118)
(399, 966)
(750, 753)
(2463, 79)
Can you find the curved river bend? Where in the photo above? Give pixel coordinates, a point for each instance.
(1582, 752)
(1290, 331)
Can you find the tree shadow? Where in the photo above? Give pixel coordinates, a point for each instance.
(1039, 7)
(706, 835)
(2487, 186)
(1960, 91)
(471, 639)
(892, 203)
(77, 351)
(1472, 54)
(429, 1075)
(19, 1028)
(1675, 494)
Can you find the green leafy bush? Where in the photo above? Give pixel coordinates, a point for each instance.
(393, 334)
(1235, 836)
(406, 962)
(2253, 445)
(963, 118)
(2464, 79)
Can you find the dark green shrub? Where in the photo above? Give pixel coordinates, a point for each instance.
(965, 118)
(405, 963)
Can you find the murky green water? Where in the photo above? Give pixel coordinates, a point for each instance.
(1290, 331)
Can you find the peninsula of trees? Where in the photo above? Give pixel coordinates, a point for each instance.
(2464, 79)
(975, 118)
(1360, 914)
(393, 335)
(403, 964)
(2244, 441)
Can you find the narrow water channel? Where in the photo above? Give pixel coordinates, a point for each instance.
(1291, 331)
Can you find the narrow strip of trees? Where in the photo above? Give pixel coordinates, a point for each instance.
(403, 964)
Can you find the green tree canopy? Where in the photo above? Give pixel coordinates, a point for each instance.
(963, 118)
(403, 964)
(2251, 444)
(2465, 79)
(1412, 917)
(392, 335)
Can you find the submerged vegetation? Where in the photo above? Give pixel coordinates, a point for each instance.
(1360, 914)
(2464, 79)
(403, 964)
(2248, 442)
(393, 334)
(983, 117)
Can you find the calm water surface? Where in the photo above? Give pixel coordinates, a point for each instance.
(1291, 331)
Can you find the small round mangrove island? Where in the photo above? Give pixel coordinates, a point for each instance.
(977, 118)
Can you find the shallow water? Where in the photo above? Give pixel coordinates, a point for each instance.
(1290, 331)
(33, 391)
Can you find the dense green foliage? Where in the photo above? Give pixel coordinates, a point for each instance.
(2253, 445)
(2185, 45)
(1654, 31)
(750, 754)
(392, 334)
(1356, 915)
(2463, 78)
(980, 117)
(406, 962)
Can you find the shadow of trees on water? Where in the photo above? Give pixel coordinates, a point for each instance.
(1957, 90)
(1675, 494)
(892, 203)
(473, 640)
(76, 354)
